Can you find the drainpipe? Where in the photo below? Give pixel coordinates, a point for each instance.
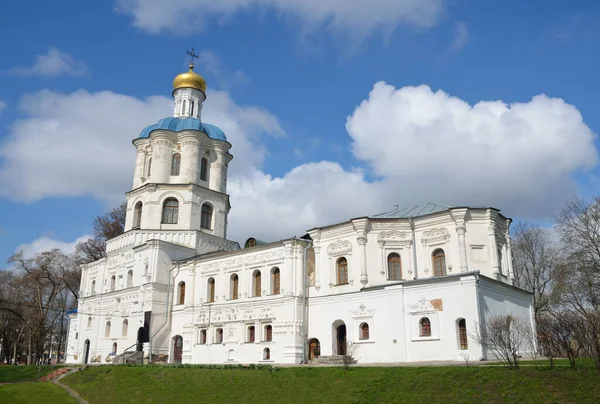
(166, 313)
(304, 301)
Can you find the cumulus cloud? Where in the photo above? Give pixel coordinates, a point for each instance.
(47, 243)
(354, 18)
(79, 144)
(461, 36)
(432, 146)
(414, 145)
(53, 64)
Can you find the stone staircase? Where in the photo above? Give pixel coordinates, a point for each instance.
(129, 357)
(333, 360)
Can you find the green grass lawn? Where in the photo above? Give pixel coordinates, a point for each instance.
(34, 393)
(122, 384)
(22, 373)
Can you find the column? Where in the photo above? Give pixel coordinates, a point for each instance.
(140, 159)
(192, 301)
(493, 249)
(362, 243)
(190, 160)
(511, 274)
(461, 230)
(162, 153)
(317, 249)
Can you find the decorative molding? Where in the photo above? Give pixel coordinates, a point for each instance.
(423, 305)
(339, 247)
(363, 312)
(435, 236)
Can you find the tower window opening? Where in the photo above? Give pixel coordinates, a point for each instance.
(175, 164)
(149, 167)
(170, 211)
(137, 215)
(191, 107)
(206, 216)
(203, 169)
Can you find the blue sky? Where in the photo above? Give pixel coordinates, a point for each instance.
(293, 83)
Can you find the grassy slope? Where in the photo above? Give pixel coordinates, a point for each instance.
(34, 393)
(313, 385)
(24, 373)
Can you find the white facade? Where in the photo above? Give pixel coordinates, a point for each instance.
(402, 286)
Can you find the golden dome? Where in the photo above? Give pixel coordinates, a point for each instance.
(189, 80)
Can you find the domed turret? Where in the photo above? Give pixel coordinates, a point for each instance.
(189, 79)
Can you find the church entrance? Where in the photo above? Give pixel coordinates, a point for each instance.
(86, 351)
(339, 337)
(177, 349)
(314, 349)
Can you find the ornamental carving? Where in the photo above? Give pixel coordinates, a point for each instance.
(363, 311)
(422, 305)
(340, 247)
(433, 236)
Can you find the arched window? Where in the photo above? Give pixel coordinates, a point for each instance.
(211, 290)
(175, 164)
(191, 107)
(424, 327)
(364, 331)
(268, 333)
(266, 354)
(170, 211)
(251, 333)
(342, 271)
(137, 215)
(202, 337)
(234, 287)
(181, 293)
(439, 262)
(206, 217)
(124, 328)
(219, 336)
(394, 267)
(93, 291)
(149, 168)
(130, 278)
(89, 323)
(114, 350)
(256, 283)
(107, 330)
(203, 169)
(275, 281)
(113, 283)
(462, 334)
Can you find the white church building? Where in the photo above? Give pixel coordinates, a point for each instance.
(403, 286)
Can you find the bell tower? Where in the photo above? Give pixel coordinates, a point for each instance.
(180, 176)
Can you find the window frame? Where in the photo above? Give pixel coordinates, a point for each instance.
(234, 281)
(181, 293)
(441, 258)
(342, 268)
(170, 213)
(268, 333)
(463, 340)
(218, 335)
(251, 334)
(137, 215)
(176, 164)
(392, 271)
(204, 169)
(275, 281)
(206, 216)
(364, 333)
(256, 284)
(425, 327)
(210, 293)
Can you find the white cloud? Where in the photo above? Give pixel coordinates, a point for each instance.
(420, 145)
(79, 143)
(53, 64)
(519, 157)
(46, 243)
(2, 105)
(351, 17)
(461, 36)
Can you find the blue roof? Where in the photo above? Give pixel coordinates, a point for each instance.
(414, 211)
(180, 124)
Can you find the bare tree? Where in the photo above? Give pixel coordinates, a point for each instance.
(106, 227)
(578, 278)
(350, 355)
(535, 257)
(505, 337)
